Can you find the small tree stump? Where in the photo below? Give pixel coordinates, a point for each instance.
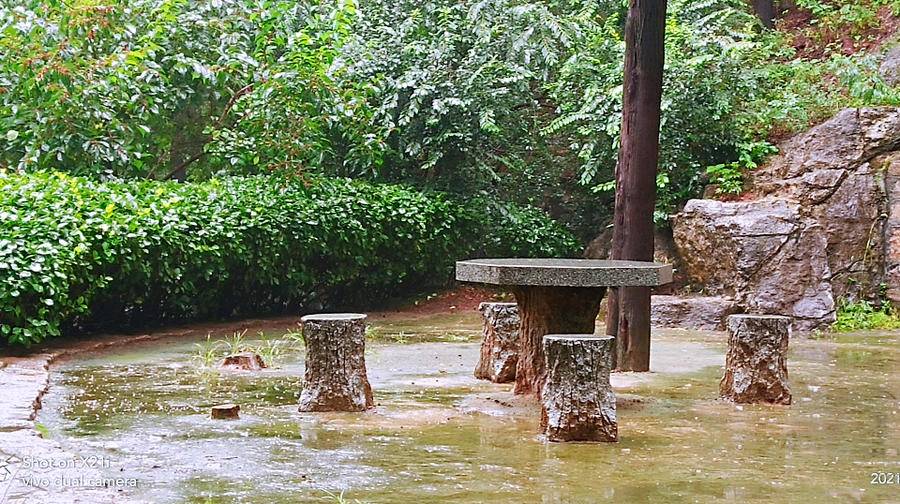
(226, 412)
(500, 342)
(246, 361)
(756, 362)
(335, 363)
(578, 403)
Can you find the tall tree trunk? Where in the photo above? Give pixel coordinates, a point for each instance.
(628, 316)
(765, 9)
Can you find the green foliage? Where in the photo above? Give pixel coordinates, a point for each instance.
(510, 100)
(702, 88)
(210, 352)
(728, 84)
(207, 352)
(456, 82)
(863, 315)
(77, 253)
(441, 94)
(112, 87)
(300, 111)
(850, 19)
(148, 87)
(729, 177)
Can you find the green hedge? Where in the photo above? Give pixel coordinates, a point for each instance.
(76, 253)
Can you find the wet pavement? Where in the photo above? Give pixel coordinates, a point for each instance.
(439, 435)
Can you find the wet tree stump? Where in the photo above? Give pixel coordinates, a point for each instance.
(756, 362)
(335, 378)
(225, 412)
(578, 403)
(245, 361)
(499, 343)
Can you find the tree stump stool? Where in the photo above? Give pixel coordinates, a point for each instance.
(335, 378)
(225, 412)
(499, 343)
(756, 362)
(578, 403)
(245, 361)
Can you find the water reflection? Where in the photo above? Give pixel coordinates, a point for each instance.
(427, 442)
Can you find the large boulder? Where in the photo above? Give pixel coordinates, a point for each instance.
(819, 226)
(813, 164)
(852, 218)
(706, 313)
(890, 66)
(891, 242)
(762, 252)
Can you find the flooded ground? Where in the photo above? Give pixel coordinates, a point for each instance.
(438, 435)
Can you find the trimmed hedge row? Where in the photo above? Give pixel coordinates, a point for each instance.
(76, 253)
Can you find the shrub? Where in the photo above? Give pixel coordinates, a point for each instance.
(729, 177)
(79, 253)
(863, 315)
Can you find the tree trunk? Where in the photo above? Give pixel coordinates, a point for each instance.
(578, 403)
(765, 9)
(335, 378)
(550, 310)
(629, 307)
(500, 342)
(756, 362)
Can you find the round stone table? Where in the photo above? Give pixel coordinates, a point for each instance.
(556, 296)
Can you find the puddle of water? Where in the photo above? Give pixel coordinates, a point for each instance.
(432, 439)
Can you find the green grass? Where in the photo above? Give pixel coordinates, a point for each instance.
(863, 315)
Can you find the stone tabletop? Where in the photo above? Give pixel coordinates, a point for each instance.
(564, 272)
(321, 317)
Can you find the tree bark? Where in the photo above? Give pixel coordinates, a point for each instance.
(578, 403)
(765, 9)
(629, 307)
(500, 342)
(335, 378)
(756, 362)
(245, 361)
(550, 310)
(225, 412)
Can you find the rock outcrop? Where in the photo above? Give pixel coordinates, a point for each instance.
(890, 67)
(706, 313)
(891, 166)
(818, 226)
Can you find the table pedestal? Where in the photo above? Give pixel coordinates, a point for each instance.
(550, 310)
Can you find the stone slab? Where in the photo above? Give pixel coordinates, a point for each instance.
(564, 272)
(707, 313)
(330, 317)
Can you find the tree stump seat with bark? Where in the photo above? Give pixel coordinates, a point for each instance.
(245, 361)
(335, 377)
(556, 296)
(578, 403)
(756, 361)
(225, 412)
(499, 343)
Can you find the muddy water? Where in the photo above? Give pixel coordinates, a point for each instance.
(438, 435)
